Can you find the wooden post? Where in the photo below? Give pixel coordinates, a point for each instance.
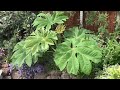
(73, 20)
(111, 20)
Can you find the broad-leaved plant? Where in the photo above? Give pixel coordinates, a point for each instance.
(77, 52)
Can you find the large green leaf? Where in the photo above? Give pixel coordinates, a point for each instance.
(77, 52)
(27, 51)
(76, 33)
(40, 40)
(18, 57)
(47, 20)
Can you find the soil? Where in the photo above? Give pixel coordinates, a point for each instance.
(49, 75)
(15, 75)
(54, 74)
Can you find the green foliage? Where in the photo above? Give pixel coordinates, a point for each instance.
(110, 72)
(27, 50)
(47, 20)
(102, 22)
(111, 53)
(97, 18)
(77, 52)
(13, 22)
(39, 41)
(111, 46)
(117, 27)
(43, 38)
(14, 26)
(91, 15)
(102, 18)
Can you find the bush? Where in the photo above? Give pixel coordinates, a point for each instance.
(110, 72)
(14, 26)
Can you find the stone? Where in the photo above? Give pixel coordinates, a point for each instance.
(5, 71)
(4, 65)
(55, 73)
(8, 77)
(1, 77)
(65, 75)
(48, 77)
(40, 76)
(55, 77)
(72, 77)
(15, 75)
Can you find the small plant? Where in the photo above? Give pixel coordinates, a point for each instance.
(102, 22)
(110, 72)
(77, 52)
(60, 29)
(111, 52)
(91, 16)
(98, 19)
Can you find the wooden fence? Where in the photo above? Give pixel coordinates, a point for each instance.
(74, 20)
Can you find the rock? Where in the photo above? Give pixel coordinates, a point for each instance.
(65, 75)
(55, 77)
(5, 65)
(1, 71)
(5, 71)
(8, 77)
(1, 77)
(72, 77)
(48, 77)
(15, 75)
(55, 73)
(40, 76)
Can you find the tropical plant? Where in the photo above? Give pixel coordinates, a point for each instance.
(77, 52)
(39, 41)
(28, 50)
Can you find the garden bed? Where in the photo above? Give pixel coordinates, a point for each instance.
(53, 45)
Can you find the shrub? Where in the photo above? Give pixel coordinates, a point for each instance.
(110, 72)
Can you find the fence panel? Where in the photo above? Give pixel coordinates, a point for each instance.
(111, 22)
